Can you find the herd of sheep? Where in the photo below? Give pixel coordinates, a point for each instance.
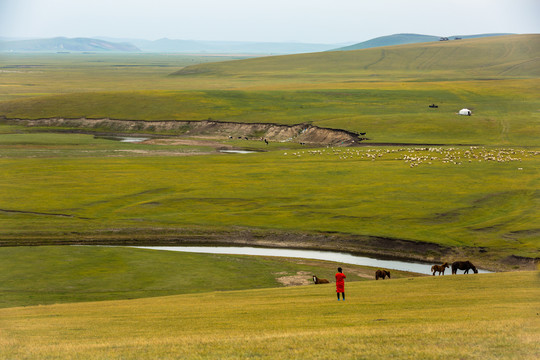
(424, 155)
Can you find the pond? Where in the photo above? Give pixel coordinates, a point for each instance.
(237, 151)
(127, 139)
(338, 257)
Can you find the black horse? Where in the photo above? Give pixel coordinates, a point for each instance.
(463, 265)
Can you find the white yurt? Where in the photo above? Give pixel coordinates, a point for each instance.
(465, 112)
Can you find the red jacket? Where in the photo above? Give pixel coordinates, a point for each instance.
(340, 282)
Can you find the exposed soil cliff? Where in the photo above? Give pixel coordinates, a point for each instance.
(301, 133)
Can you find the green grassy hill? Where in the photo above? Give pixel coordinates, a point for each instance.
(41, 275)
(385, 92)
(492, 316)
(505, 56)
(80, 190)
(391, 40)
(402, 39)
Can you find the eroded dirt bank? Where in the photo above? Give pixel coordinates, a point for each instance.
(301, 133)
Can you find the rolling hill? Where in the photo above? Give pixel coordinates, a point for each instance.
(100, 44)
(501, 56)
(402, 39)
(223, 47)
(464, 317)
(390, 40)
(60, 44)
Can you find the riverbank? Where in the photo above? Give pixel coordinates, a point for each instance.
(40, 275)
(378, 247)
(209, 129)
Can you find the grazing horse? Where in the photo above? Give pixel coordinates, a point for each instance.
(316, 280)
(382, 274)
(439, 268)
(463, 265)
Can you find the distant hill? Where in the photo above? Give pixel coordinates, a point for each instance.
(401, 39)
(502, 56)
(224, 47)
(61, 44)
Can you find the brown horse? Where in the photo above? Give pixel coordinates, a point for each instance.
(382, 274)
(316, 280)
(463, 265)
(439, 268)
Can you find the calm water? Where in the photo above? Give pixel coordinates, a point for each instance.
(338, 257)
(128, 139)
(237, 151)
(132, 139)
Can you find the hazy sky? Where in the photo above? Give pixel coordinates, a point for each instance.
(315, 21)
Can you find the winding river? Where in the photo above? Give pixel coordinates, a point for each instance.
(338, 257)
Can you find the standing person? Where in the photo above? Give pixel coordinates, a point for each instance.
(340, 283)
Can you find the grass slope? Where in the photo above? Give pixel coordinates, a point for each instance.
(77, 187)
(391, 40)
(491, 316)
(80, 193)
(401, 39)
(506, 56)
(504, 112)
(66, 274)
(35, 75)
(370, 90)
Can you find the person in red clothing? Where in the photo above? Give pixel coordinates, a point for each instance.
(340, 283)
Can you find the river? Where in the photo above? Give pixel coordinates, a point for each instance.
(338, 257)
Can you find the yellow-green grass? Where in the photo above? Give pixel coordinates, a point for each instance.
(66, 274)
(26, 74)
(491, 316)
(507, 57)
(502, 113)
(384, 92)
(480, 204)
(16, 142)
(499, 57)
(462, 196)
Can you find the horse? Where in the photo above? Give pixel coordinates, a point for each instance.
(463, 265)
(382, 274)
(433, 106)
(439, 268)
(316, 280)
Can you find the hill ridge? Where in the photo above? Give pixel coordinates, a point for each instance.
(60, 44)
(508, 56)
(409, 38)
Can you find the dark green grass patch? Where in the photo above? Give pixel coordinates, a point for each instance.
(63, 274)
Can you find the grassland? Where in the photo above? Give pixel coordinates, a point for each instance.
(475, 195)
(370, 90)
(491, 316)
(504, 111)
(489, 58)
(34, 75)
(67, 274)
(80, 189)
